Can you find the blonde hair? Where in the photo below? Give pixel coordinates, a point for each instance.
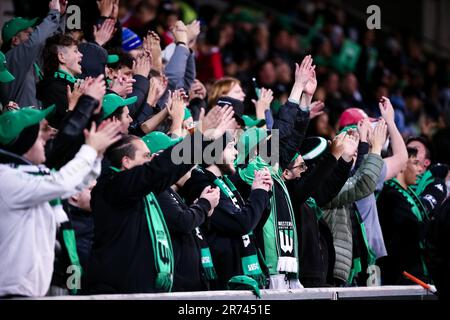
(221, 88)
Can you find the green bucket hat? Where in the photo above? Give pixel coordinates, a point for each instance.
(13, 122)
(112, 101)
(244, 283)
(250, 122)
(249, 140)
(5, 75)
(158, 141)
(15, 25)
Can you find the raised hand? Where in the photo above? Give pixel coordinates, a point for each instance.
(303, 72)
(378, 137)
(263, 180)
(78, 90)
(55, 5)
(315, 109)
(104, 32)
(176, 108)
(156, 91)
(311, 85)
(105, 7)
(213, 196)
(106, 135)
(263, 103)
(337, 146)
(364, 129)
(350, 146)
(387, 111)
(152, 43)
(216, 122)
(122, 85)
(143, 64)
(95, 88)
(179, 31)
(197, 90)
(193, 30)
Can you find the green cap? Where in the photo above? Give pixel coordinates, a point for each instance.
(112, 58)
(13, 122)
(244, 283)
(187, 114)
(249, 140)
(250, 122)
(15, 25)
(158, 141)
(112, 101)
(5, 75)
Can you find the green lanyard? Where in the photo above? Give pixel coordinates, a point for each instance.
(64, 75)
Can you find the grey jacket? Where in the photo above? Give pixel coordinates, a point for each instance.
(337, 212)
(20, 62)
(180, 72)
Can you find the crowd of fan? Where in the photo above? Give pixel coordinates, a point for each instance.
(313, 154)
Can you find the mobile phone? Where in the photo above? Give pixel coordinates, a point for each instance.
(257, 89)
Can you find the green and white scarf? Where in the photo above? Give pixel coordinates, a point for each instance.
(251, 257)
(161, 243)
(280, 233)
(417, 209)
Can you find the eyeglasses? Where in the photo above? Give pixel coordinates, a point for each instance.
(302, 166)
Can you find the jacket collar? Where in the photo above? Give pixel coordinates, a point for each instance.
(18, 162)
(7, 157)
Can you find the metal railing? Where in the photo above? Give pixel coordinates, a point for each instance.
(353, 293)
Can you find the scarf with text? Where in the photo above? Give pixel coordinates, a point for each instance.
(280, 233)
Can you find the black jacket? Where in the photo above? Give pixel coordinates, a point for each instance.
(316, 249)
(54, 91)
(402, 233)
(437, 252)
(140, 90)
(122, 259)
(182, 221)
(227, 225)
(70, 137)
(83, 224)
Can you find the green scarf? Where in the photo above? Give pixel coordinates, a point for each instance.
(251, 257)
(280, 233)
(417, 209)
(161, 243)
(371, 255)
(65, 75)
(424, 181)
